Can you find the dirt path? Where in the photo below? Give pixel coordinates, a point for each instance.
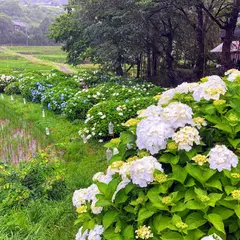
(60, 66)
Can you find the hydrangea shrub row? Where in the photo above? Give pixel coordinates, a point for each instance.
(175, 174)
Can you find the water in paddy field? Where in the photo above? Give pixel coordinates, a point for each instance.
(17, 143)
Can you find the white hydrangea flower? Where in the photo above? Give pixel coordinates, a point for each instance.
(212, 237)
(230, 71)
(186, 87)
(141, 171)
(151, 111)
(101, 177)
(186, 137)
(220, 158)
(177, 114)
(232, 77)
(80, 235)
(95, 210)
(81, 196)
(212, 89)
(152, 134)
(166, 97)
(124, 170)
(95, 234)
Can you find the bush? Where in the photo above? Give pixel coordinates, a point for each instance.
(37, 179)
(5, 81)
(56, 98)
(100, 115)
(176, 174)
(12, 88)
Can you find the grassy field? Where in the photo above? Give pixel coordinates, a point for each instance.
(50, 53)
(9, 63)
(43, 219)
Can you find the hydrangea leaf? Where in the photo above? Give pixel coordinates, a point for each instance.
(217, 221)
(109, 218)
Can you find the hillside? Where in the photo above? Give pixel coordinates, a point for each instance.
(27, 21)
(47, 2)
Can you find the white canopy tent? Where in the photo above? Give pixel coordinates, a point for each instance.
(235, 47)
(235, 50)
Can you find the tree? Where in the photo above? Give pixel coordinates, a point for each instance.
(226, 19)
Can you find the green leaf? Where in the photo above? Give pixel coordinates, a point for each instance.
(103, 203)
(200, 174)
(224, 212)
(171, 235)
(127, 137)
(176, 219)
(217, 222)
(109, 234)
(195, 220)
(144, 214)
(121, 197)
(169, 158)
(214, 183)
(179, 173)
(195, 205)
(109, 218)
(229, 189)
(214, 198)
(194, 235)
(225, 127)
(161, 222)
(102, 187)
(237, 211)
(234, 142)
(128, 233)
(190, 183)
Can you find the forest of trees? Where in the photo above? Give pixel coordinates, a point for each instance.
(167, 38)
(24, 19)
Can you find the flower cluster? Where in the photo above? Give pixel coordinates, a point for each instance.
(212, 89)
(94, 234)
(154, 131)
(87, 195)
(144, 232)
(186, 137)
(220, 158)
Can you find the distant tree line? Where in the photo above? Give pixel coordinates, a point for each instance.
(22, 23)
(160, 39)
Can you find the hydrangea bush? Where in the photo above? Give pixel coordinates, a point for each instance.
(175, 174)
(5, 81)
(101, 114)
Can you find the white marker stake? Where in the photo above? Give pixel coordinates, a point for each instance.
(43, 113)
(12, 98)
(24, 101)
(47, 131)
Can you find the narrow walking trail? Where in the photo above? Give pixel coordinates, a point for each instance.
(60, 66)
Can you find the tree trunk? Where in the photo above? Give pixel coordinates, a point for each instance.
(199, 67)
(119, 69)
(154, 65)
(229, 37)
(139, 60)
(169, 60)
(149, 75)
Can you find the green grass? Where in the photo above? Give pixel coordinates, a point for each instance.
(50, 53)
(10, 63)
(43, 219)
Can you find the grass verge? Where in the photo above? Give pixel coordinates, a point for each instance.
(43, 219)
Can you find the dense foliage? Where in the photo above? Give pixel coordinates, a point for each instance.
(175, 174)
(155, 39)
(95, 97)
(26, 22)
